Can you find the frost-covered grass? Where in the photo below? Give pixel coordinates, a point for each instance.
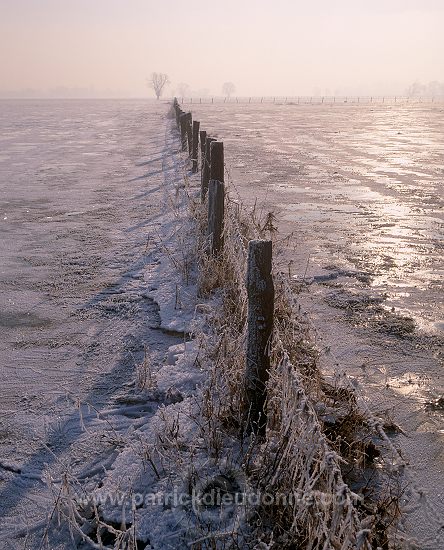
(317, 440)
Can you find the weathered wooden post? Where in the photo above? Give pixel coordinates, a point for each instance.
(206, 168)
(178, 113)
(183, 130)
(216, 207)
(195, 149)
(217, 169)
(260, 290)
(189, 128)
(202, 137)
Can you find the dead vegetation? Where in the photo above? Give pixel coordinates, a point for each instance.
(318, 442)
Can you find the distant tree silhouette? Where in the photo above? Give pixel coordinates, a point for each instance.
(228, 88)
(157, 82)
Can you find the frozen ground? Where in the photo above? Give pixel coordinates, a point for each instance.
(360, 188)
(84, 208)
(84, 193)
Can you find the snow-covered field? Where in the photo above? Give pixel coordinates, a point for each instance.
(85, 203)
(87, 207)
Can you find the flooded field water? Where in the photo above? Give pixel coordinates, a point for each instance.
(359, 186)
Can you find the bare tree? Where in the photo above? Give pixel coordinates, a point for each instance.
(183, 89)
(157, 82)
(228, 88)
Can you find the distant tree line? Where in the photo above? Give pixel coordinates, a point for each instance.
(158, 82)
(432, 89)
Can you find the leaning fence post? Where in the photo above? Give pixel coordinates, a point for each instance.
(195, 148)
(206, 168)
(260, 290)
(216, 207)
(217, 161)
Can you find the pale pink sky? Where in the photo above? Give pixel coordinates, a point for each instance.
(273, 47)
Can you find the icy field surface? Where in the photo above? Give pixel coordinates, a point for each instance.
(361, 189)
(362, 186)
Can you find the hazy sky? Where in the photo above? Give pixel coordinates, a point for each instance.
(266, 47)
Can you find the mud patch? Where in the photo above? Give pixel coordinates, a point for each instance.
(17, 320)
(353, 301)
(393, 323)
(366, 310)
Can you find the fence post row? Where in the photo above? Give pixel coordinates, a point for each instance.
(260, 287)
(195, 148)
(260, 290)
(205, 177)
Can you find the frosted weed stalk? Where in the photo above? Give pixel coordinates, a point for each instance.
(145, 379)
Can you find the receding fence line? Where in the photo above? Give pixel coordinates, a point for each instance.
(303, 445)
(260, 288)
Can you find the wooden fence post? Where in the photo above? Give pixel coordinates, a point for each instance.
(206, 168)
(217, 171)
(202, 137)
(183, 130)
(216, 207)
(176, 110)
(260, 290)
(195, 148)
(178, 113)
(189, 128)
